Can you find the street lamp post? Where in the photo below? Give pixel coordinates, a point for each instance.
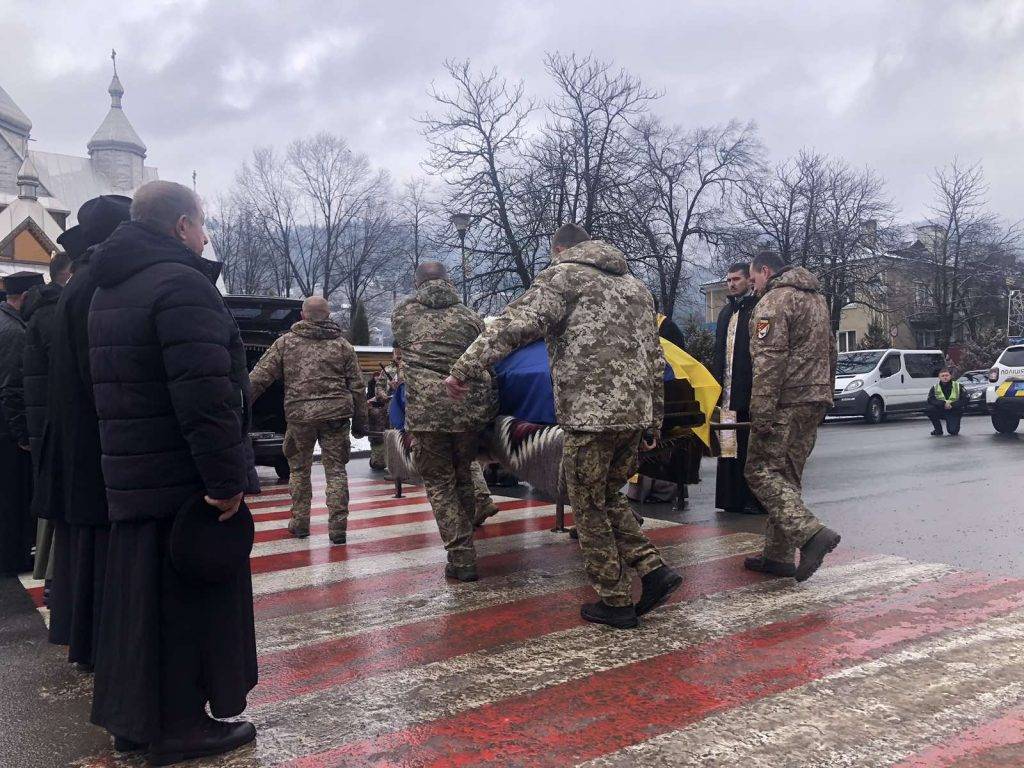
(461, 223)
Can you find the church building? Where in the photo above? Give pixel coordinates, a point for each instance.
(41, 192)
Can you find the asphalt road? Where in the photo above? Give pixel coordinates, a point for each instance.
(893, 488)
(890, 488)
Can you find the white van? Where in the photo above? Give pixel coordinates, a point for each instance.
(1010, 365)
(875, 383)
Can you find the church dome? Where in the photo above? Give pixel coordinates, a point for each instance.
(116, 132)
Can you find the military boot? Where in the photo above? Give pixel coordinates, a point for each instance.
(812, 554)
(762, 564)
(658, 585)
(337, 528)
(620, 617)
(461, 572)
(298, 527)
(483, 512)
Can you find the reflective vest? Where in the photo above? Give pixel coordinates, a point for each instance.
(954, 392)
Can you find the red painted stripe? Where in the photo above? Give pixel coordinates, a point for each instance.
(305, 557)
(405, 501)
(298, 671)
(613, 709)
(36, 593)
(257, 503)
(555, 558)
(997, 743)
(386, 520)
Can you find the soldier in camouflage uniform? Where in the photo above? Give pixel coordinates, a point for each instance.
(432, 328)
(323, 394)
(794, 359)
(377, 405)
(607, 369)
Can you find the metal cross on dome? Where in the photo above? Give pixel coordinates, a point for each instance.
(113, 58)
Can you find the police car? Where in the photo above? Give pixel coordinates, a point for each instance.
(1008, 406)
(1009, 367)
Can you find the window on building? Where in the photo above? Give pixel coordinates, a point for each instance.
(847, 340)
(921, 297)
(926, 339)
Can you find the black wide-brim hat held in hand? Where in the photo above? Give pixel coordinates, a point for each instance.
(205, 549)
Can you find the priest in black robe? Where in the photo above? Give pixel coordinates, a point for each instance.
(734, 371)
(17, 526)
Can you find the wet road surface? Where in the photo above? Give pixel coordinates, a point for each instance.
(904, 651)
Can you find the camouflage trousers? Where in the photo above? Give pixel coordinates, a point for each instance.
(595, 466)
(335, 447)
(444, 461)
(775, 468)
(484, 506)
(378, 456)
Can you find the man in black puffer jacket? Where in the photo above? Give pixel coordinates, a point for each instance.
(172, 396)
(38, 312)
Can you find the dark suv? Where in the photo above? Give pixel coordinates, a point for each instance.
(261, 319)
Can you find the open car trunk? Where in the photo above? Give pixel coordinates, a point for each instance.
(261, 319)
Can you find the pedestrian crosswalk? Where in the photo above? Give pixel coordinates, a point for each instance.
(368, 657)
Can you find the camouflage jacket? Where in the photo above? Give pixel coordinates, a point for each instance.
(321, 376)
(601, 331)
(432, 328)
(791, 345)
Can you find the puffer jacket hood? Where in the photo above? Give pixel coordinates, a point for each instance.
(594, 253)
(794, 277)
(134, 247)
(317, 329)
(437, 294)
(42, 296)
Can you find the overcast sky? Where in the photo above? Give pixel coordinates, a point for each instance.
(900, 86)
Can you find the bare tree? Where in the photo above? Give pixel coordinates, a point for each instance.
(969, 254)
(370, 256)
(820, 213)
(477, 141)
(589, 147)
(335, 185)
(682, 199)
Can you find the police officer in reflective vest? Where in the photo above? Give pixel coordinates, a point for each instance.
(946, 402)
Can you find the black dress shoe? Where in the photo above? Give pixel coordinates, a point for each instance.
(461, 572)
(209, 737)
(623, 617)
(658, 585)
(813, 552)
(123, 745)
(774, 567)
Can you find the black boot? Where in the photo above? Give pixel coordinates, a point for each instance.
(208, 737)
(339, 537)
(623, 617)
(658, 585)
(123, 745)
(460, 572)
(761, 564)
(813, 552)
(937, 432)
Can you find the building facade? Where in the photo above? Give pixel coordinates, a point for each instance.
(41, 192)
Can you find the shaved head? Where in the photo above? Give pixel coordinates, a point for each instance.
(316, 308)
(430, 270)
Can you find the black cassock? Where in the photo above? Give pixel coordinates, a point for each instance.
(71, 490)
(731, 491)
(176, 644)
(17, 526)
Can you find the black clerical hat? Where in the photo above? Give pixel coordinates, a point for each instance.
(73, 242)
(19, 282)
(99, 217)
(207, 550)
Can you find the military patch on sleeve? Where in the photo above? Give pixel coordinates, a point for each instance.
(763, 326)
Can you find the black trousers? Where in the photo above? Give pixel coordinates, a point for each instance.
(17, 525)
(167, 646)
(731, 491)
(951, 417)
